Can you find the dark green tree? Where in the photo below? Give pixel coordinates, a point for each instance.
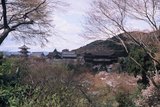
(138, 62)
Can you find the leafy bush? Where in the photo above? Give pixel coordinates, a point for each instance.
(12, 93)
(55, 85)
(124, 99)
(31, 83)
(150, 97)
(39, 83)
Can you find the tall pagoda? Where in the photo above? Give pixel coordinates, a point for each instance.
(24, 51)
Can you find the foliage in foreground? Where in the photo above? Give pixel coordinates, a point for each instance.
(38, 83)
(12, 93)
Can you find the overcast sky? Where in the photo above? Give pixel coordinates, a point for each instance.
(68, 25)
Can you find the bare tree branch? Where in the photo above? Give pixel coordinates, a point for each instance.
(26, 18)
(5, 22)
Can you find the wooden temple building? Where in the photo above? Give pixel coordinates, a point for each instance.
(100, 59)
(102, 62)
(54, 55)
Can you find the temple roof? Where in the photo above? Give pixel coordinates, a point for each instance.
(24, 47)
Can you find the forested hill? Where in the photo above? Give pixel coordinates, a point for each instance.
(113, 46)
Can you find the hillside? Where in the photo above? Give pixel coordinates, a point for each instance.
(113, 46)
(101, 47)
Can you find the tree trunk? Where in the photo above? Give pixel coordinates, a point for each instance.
(145, 80)
(4, 35)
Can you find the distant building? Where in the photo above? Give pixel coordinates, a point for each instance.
(100, 59)
(24, 51)
(37, 54)
(66, 54)
(100, 62)
(54, 55)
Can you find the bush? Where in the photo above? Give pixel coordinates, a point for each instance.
(150, 97)
(38, 83)
(54, 85)
(124, 99)
(12, 93)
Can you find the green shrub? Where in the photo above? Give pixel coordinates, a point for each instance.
(33, 83)
(53, 84)
(12, 93)
(124, 99)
